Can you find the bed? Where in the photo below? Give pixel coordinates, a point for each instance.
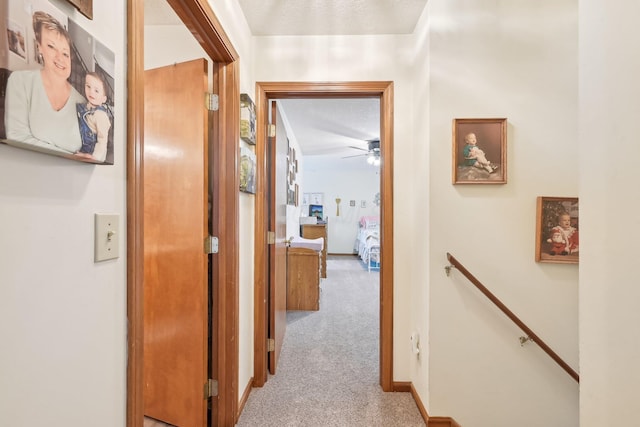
(368, 241)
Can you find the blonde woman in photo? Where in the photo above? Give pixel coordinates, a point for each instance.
(40, 105)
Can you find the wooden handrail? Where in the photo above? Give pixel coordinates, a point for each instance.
(532, 336)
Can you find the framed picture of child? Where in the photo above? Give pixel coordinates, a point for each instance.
(56, 85)
(479, 151)
(557, 230)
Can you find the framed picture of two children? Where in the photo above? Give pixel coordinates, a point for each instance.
(480, 151)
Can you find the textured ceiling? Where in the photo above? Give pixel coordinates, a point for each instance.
(329, 129)
(331, 17)
(329, 125)
(313, 17)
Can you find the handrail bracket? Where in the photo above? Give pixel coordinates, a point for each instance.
(523, 340)
(447, 269)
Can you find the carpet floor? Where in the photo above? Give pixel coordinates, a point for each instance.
(328, 372)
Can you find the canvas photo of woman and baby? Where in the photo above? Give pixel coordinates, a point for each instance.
(57, 90)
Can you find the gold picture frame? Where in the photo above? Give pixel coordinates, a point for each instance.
(557, 230)
(479, 151)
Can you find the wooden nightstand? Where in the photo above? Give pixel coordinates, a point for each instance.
(303, 279)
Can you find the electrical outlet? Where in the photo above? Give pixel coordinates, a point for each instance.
(415, 343)
(107, 237)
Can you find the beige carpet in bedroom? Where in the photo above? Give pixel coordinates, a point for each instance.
(328, 370)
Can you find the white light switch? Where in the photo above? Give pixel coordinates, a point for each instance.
(107, 237)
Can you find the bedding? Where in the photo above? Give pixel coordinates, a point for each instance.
(300, 242)
(368, 241)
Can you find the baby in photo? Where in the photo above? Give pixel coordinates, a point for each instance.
(94, 119)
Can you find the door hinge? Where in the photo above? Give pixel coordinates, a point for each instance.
(210, 245)
(271, 237)
(271, 344)
(271, 131)
(210, 388)
(211, 101)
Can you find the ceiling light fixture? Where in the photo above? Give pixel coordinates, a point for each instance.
(374, 158)
(373, 152)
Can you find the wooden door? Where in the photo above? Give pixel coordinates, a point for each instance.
(278, 148)
(175, 226)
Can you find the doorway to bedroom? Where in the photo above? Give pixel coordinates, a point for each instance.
(336, 146)
(350, 203)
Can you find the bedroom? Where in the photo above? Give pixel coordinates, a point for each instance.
(336, 148)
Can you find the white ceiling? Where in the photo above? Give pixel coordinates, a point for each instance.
(331, 17)
(328, 125)
(313, 17)
(331, 131)
(324, 128)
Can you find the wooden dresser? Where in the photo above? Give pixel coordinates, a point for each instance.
(314, 231)
(303, 279)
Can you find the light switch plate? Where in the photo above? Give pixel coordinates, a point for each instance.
(107, 237)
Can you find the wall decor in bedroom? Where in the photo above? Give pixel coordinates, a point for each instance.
(480, 151)
(314, 198)
(317, 211)
(292, 173)
(557, 235)
(376, 199)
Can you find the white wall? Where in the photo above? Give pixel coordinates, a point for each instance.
(63, 317)
(358, 185)
(420, 214)
(516, 60)
(358, 58)
(609, 202)
(170, 44)
(293, 212)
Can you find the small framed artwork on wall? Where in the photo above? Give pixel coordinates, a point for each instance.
(247, 119)
(247, 170)
(557, 223)
(480, 151)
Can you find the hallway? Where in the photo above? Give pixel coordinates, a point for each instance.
(328, 372)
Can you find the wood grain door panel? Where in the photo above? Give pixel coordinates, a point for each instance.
(175, 225)
(278, 149)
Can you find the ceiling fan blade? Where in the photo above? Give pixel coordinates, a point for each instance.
(357, 155)
(358, 148)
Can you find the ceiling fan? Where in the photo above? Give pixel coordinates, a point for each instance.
(372, 153)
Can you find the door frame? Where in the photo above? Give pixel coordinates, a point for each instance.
(199, 18)
(382, 90)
